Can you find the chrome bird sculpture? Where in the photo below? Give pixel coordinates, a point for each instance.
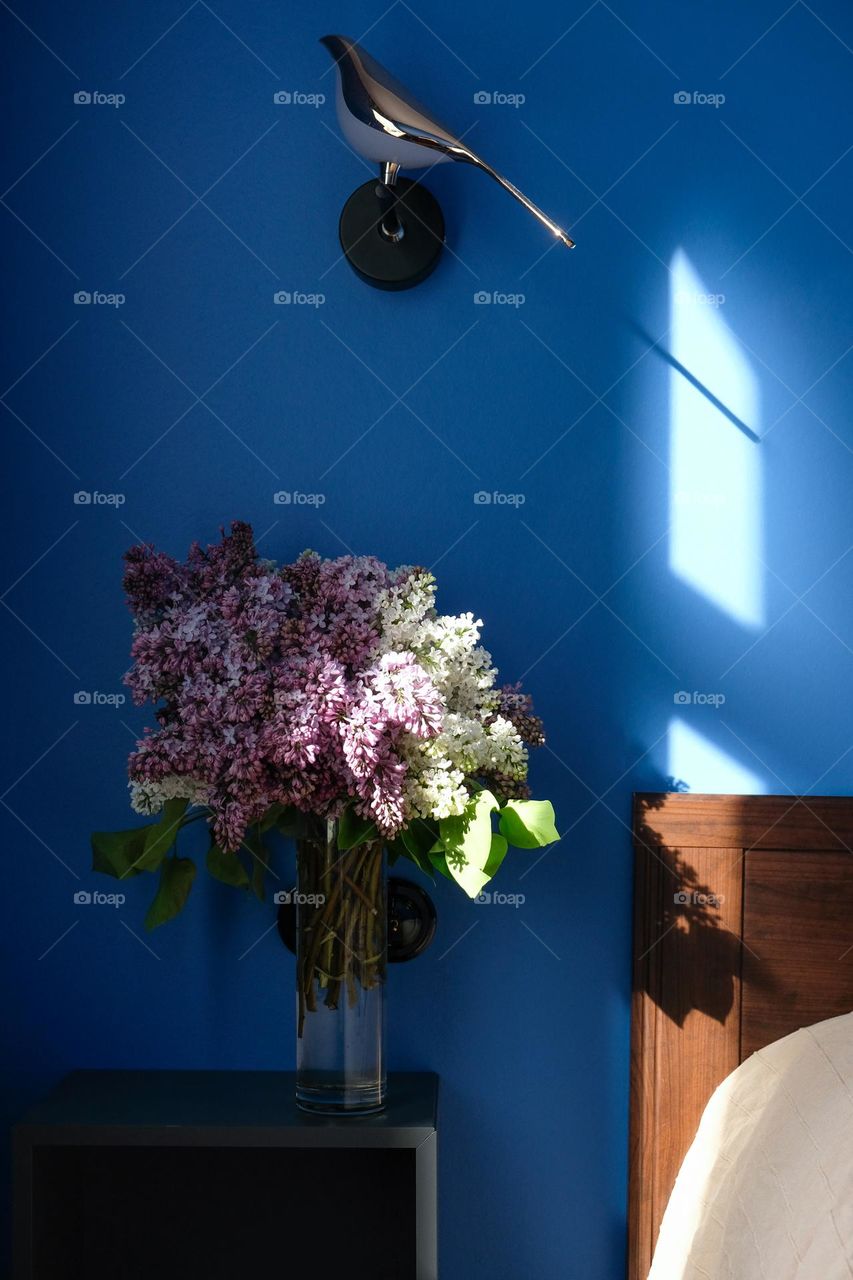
(384, 123)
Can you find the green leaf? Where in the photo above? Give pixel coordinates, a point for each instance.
(292, 822)
(176, 879)
(284, 818)
(439, 861)
(497, 853)
(419, 837)
(260, 855)
(353, 830)
(467, 841)
(528, 824)
(160, 838)
(226, 867)
(272, 817)
(115, 853)
(423, 863)
(396, 850)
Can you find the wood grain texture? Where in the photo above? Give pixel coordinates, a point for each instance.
(748, 822)
(743, 931)
(798, 935)
(686, 1009)
(698, 1014)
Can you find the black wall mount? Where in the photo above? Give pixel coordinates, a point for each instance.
(392, 236)
(411, 920)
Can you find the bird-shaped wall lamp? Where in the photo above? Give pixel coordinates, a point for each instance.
(392, 230)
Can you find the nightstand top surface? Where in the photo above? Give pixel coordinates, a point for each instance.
(212, 1101)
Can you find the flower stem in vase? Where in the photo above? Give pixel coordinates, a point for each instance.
(341, 942)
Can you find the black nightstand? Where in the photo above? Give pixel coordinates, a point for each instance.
(214, 1175)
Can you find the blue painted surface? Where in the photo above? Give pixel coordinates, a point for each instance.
(198, 198)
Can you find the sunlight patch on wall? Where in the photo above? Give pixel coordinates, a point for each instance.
(715, 476)
(694, 760)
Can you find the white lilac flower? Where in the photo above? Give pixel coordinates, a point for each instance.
(149, 797)
(474, 740)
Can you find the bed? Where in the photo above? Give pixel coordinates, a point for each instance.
(743, 933)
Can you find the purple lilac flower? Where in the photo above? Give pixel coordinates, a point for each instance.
(271, 685)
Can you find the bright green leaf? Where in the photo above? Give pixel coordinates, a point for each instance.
(467, 841)
(176, 879)
(528, 824)
(226, 867)
(497, 853)
(116, 853)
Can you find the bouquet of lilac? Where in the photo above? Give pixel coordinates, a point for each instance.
(317, 689)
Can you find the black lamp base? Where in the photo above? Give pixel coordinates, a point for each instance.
(409, 253)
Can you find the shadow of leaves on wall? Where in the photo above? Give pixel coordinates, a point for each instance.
(694, 953)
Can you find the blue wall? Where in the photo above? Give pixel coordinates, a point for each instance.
(525, 1015)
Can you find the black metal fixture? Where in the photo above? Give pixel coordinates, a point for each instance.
(392, 231)
(411, 920)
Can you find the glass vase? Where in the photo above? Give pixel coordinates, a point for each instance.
(341, 927)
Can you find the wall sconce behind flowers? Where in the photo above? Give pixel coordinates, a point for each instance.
(392, 231)
(329, 702)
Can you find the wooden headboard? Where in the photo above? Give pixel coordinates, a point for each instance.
(743, 932)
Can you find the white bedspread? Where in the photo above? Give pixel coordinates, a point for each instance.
(766, 1190)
